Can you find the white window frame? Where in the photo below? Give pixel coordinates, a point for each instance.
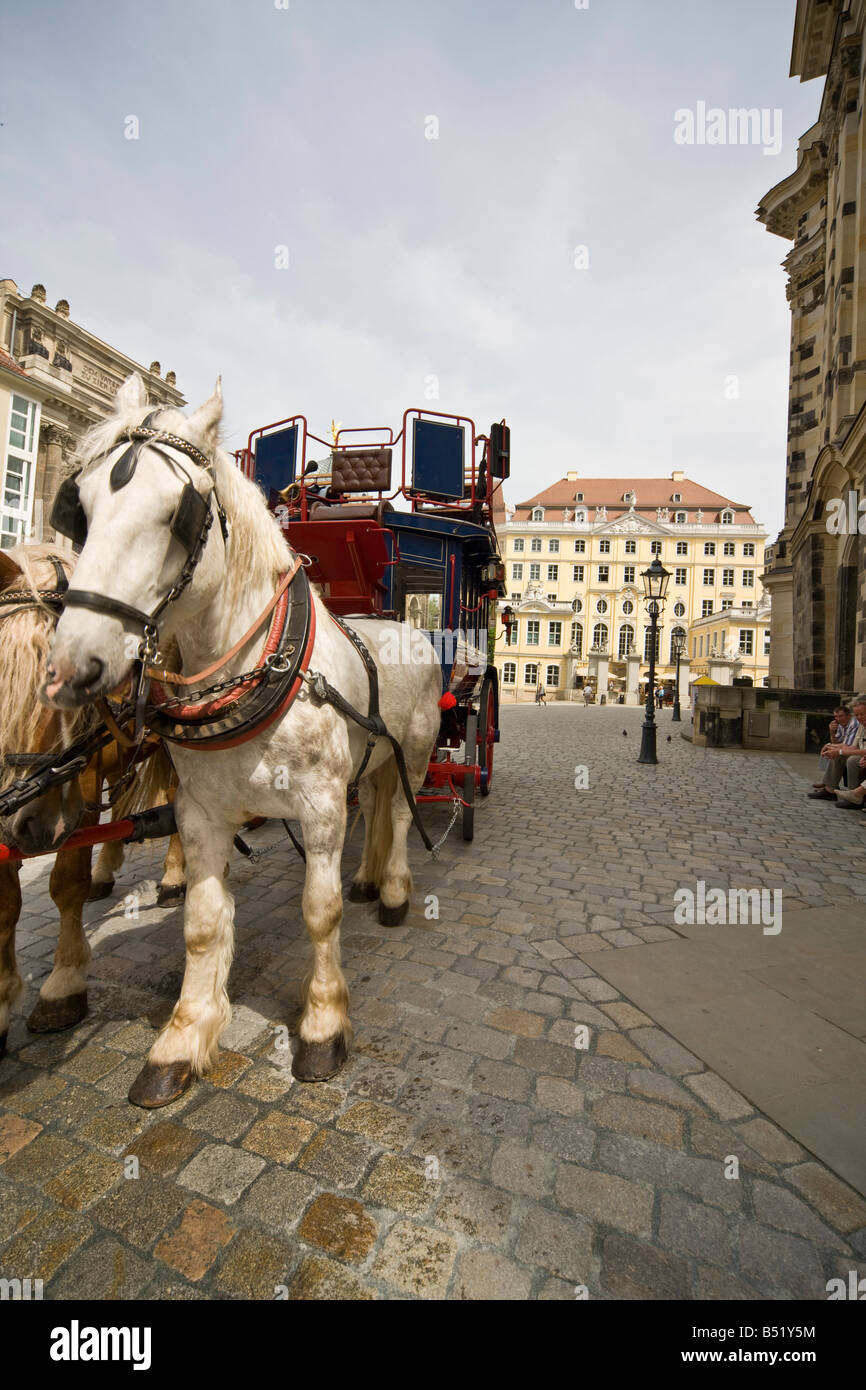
(509, 673)
(21, 517)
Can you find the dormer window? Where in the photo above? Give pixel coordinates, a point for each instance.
(629, 498)
(727, 518)
(579, 497)
(677, 497)
(580, 517)
(537, 514)
(681, 518)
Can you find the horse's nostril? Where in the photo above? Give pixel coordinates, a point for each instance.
(88, 675)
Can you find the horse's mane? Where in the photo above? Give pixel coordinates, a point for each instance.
(257, 552)
(25, 639)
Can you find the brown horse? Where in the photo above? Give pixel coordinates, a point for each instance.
(26, 725)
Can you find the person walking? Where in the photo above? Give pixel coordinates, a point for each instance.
(540, 697)
(587, 696)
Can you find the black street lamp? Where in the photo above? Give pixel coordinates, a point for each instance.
(678, 645)
(655, 586)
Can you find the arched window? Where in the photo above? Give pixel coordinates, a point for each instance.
(627, 606)
(727, 518)
(675, 633)
(530, 673)
(626, 639)
(509, 673)
(552, 677)
(580, 516)
(600, 636)
(577, 638)
(537, 514)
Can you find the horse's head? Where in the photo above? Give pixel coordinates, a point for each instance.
(142, 504)
(28, 577)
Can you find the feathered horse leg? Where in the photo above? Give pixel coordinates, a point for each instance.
(324, 1030)
(189, 1042)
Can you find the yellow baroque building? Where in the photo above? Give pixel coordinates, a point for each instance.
(573, 557)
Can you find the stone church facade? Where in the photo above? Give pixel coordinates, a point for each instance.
(56, 380)
(816, 573)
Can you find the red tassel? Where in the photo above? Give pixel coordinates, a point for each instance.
(447, 701)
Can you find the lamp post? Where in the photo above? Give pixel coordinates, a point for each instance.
(655, 586)
(679, 644)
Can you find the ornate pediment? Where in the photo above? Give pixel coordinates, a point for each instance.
(631, 525)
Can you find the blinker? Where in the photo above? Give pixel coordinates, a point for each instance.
(67, 514)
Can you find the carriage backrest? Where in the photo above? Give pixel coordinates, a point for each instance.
(360, 470)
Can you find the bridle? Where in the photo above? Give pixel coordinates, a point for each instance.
(190, 525)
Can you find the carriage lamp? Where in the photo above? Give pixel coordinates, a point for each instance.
(655, 586)
(509, 622)
(678, 647)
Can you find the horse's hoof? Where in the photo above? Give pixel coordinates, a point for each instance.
(98, 891)
(318, 1061)
(169, 893)
(363, 893)
(159, 1084)
(53, 1015)
(393, 916)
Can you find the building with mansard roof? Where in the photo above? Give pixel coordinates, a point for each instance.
(56, 380)
(574, 554)
(816, 572)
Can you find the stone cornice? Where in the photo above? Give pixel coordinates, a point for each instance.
(103, 360)
(780, 208)
(814, 28)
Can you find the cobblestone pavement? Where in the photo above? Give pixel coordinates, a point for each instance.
(470, 1149)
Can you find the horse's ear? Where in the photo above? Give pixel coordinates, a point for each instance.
(206, 420)
(131, 394)
(9, 571)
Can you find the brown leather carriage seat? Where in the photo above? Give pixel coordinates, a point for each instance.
(353, 471)
(360, 470)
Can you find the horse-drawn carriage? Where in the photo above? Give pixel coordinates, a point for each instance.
(368, 613)
(432, 562)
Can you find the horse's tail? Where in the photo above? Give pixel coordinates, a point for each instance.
(382, 834)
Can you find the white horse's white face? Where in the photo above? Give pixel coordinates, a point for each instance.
(131, 555)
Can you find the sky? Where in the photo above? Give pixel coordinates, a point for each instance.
(344, 208)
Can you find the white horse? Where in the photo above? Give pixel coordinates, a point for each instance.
(298, 768)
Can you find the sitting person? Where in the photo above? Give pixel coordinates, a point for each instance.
(846, 759)
(843, 730)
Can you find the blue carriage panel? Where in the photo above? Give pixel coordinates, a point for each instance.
(276, 457)
(438, 452)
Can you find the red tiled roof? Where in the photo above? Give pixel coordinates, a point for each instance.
(10, 365)
(649, 492)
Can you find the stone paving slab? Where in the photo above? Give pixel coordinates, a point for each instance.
(510, 1124)
(780, 1017)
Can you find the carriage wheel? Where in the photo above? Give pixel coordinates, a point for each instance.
(469, 759)
(486, 733)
